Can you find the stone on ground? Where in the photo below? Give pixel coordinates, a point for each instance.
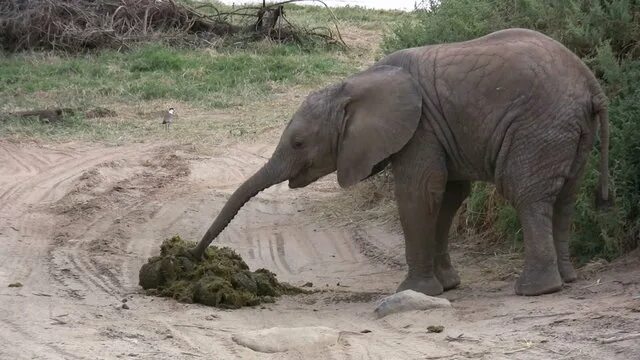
(408, 300)
(278, 339)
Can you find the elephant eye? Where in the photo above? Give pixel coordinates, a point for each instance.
(297, 144)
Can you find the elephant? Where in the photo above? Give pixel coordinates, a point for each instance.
(514, 108)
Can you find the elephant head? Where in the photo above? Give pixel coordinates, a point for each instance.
(351, 127)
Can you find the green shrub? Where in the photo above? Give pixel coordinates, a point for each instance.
(448, 21)
(606, 34)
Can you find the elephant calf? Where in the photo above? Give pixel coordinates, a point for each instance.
(514, 108)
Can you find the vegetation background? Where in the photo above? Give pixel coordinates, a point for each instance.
(231, 90)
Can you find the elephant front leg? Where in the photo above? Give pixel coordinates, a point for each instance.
(454, 195)
(418, 204)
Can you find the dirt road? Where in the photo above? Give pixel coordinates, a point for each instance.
(77, 221)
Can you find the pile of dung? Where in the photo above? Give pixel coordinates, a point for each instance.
(220, 279)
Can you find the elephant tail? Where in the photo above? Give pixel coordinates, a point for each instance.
(604, 197)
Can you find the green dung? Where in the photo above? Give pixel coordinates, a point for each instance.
(221, 278)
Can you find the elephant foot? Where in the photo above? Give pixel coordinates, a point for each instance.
(539, 282)
(448, 276)
(426, 285)
(567, 272)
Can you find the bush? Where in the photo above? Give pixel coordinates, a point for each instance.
(605, 34)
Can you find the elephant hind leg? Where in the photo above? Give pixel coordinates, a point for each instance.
(454, 195)
(540, 274)
(563, 210)
(540, 162)
(562, 215)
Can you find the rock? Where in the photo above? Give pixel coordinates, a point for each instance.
(15, 285)
(125, 306)
(284, 339)
(308, 284)
(435, 328)
(408, 300)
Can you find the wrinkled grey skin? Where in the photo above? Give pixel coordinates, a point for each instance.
(514, 108)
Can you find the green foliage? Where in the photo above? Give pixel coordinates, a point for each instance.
(508, 225)
(486, 213)
(606, 35)
(447, 21)
(210, 79)
(476, 211)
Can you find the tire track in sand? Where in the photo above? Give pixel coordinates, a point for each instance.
(29, 194)
(31, 177)
(96, 259)
(74, 263)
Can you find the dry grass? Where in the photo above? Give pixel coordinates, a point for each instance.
(369, 202)
(78, 26)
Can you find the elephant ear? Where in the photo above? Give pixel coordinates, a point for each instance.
(382, 110)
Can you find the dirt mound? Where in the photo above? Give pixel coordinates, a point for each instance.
(220, 279)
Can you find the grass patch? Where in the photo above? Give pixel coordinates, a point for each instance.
(233, 90)
(199, 77)
(229, 91)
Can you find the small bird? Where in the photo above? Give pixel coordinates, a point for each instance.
(168, 118)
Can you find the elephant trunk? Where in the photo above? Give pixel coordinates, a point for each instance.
(269, 175)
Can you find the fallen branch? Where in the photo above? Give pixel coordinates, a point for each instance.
(194, 326)
(466, 354)
(57, 321)
(461, 337)
(597, 283)
(53, 115)
(190, 354)
(619, 338)
(517, 350)
(541, 316)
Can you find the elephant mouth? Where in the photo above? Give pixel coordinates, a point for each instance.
(302, 179)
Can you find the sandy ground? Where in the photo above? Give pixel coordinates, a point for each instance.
(77, 221)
